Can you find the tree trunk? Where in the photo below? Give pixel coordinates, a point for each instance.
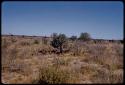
(61, 49)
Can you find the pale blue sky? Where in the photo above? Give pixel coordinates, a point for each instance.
(103, 20)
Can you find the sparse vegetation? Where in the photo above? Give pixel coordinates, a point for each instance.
(30, 60)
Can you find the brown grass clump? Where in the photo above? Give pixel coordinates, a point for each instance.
(52, 75)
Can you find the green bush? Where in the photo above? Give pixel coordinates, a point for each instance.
(85, 36)
(58, 41)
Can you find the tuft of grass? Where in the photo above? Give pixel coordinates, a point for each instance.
(24, 43)
(52, 75)
(107, 78)
(44, 41)
(36, 42)
(13, 40)
(59, 61)
(8, 60)
(117, 76)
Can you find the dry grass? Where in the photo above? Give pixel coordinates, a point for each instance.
(52, 75)
(30, 60)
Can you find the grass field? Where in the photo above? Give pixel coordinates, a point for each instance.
(31, 60)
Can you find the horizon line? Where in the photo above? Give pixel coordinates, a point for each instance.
(50, 36)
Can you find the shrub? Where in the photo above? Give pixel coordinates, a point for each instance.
(54, 35)
(5, 44)
(36, 42)
(45, 41)
(24, 43)
(23, 36)
(52, 75)
(59, 61)
(77, 48)
(85, 36)
(58, 41)
(13, 40)
(4, 53)
(9, 58)
(73, 38)
(117, 76)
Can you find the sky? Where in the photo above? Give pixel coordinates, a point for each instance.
(101, 19)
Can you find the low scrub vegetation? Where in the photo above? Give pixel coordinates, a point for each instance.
(61, 60)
